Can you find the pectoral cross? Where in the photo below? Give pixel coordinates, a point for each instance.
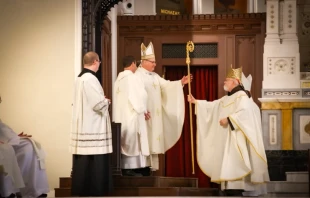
(154, 85)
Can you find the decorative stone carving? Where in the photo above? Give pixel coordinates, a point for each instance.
(279, 66)
(273, 130)
(272, 16)
(305, 24)
(306, 93)
(281, 93)
(289, 15)
(304, 129)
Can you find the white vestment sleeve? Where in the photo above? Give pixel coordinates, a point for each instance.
(95, 96)
(173, 111)
(206, 119)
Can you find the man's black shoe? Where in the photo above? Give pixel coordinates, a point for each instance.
(130, 172)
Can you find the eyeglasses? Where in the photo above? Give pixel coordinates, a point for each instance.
(154, 62)
(98, 61)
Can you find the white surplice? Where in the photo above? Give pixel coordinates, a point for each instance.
(235, 159)
(165, 102)
(91, 127)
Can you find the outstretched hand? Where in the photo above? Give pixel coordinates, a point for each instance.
(191, 99)
(185, 79)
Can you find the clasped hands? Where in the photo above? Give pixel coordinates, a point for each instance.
(24, 135)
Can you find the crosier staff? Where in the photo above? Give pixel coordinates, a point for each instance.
(190, 48)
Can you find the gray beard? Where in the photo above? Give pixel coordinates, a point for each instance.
(225, 88)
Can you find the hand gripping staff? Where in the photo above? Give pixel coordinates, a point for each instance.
(190, 48)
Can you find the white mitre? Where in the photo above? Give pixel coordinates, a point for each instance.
(247, 82)
(147, 52)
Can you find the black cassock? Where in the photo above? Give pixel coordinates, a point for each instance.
(91, 175)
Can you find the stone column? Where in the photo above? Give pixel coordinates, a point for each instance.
(281, 82)
(281, 49)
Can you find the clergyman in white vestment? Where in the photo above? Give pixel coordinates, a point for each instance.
(165, 102)
(230, 147)
(91, 135)
(30, 158)
(129, 109)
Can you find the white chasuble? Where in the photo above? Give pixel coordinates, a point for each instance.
(129, 106)
(235, 158)
(166, 105)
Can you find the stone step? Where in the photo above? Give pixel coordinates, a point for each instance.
(290, 195)
(151, 181)
(287, 187)
(157, 181)
(297, 176)
(151, 191)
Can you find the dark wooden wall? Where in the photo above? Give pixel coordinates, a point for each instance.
(240, 40)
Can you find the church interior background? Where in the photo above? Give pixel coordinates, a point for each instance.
(42, 43)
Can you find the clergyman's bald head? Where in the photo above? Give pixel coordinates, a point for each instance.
(89, 58)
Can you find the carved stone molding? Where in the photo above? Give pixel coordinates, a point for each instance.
(221, 23)
(306, 93)
(289, 93)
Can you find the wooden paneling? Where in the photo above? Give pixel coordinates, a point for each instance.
(221, 29)
(230, 51)
(248, 56)
(131, 46)
(106, 70)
